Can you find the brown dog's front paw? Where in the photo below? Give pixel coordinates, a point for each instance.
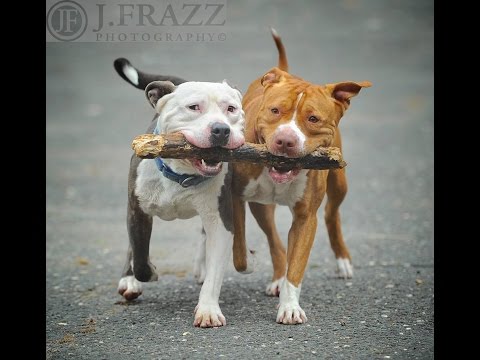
(344, 268)
(273, 288)
(291, 314)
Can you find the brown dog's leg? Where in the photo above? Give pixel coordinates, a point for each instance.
(300, 239)
(265, 216)
(300, 242)
(336, 191)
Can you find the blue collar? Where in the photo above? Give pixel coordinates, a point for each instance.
(184, 180)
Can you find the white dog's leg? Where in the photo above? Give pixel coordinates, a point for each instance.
(199, 264)
(218, 253)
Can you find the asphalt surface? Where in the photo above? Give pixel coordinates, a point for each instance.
(385, 311)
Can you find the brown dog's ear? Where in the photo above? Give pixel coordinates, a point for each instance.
(157, 89)
(345, 90)
(273, 76)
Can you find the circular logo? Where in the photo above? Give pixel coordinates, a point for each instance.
(66, 20)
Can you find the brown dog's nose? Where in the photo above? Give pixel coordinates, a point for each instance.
(286, 144)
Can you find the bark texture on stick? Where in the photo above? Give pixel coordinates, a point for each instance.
(175, 146)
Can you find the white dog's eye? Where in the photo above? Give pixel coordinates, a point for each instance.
(194, 107)
(231, 108)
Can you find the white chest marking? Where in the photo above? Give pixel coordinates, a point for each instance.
(159, 196)
(264, 191)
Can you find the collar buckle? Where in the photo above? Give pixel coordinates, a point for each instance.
(189, 181)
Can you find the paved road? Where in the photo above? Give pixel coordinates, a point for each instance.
(386, 311)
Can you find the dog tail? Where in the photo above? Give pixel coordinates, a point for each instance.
(138, 78)
(282, 55)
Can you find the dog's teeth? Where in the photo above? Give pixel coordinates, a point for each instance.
(274, 168)
(204, 163)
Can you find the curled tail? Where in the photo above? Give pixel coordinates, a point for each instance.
(138, 78)
(282, 55)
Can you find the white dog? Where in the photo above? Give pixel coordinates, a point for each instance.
(208, 115)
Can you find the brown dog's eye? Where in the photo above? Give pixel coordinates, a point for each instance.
(313, 119)
(231, 108)
(274, 111)
(194, 107)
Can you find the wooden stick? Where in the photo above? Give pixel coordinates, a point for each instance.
(175, 146)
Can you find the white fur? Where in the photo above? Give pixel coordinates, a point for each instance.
(218, 254)
(271, 289)
(210, 315)
(345, 268)
(293, 125)
(159, 196)
(264, 191)
(131, 74)
(213, 100)
(164, 198)
(130, 285)
(289, 310)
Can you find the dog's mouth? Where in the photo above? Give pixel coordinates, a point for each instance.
(207, 167)
(282, 175)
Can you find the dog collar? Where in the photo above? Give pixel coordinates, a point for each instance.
(185, 180)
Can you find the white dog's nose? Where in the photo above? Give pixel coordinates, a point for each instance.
(219, 134)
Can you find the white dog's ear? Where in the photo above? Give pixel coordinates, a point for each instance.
(239, 93)
(157, 89)
(225, 81)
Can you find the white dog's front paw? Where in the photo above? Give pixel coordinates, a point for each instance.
(291, 314)
(208, 315)
(129, 287)
(344, 268)
(273, 288)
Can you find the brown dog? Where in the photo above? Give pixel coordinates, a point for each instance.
(292, 117)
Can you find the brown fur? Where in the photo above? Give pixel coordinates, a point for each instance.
(279, 89)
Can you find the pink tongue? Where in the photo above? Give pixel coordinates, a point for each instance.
(279, 177)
